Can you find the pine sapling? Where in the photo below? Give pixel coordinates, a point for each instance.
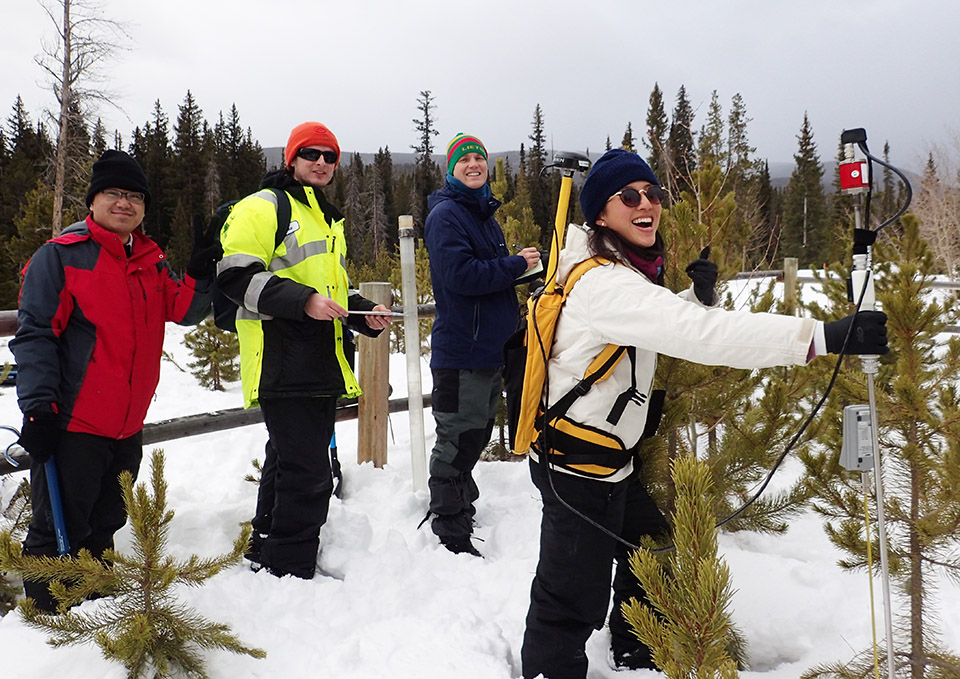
(139, 621)
(15, 517)
(216, 353)
(687, 624)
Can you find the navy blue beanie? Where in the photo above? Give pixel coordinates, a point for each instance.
(615, 169)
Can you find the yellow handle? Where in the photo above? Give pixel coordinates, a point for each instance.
(559, 226)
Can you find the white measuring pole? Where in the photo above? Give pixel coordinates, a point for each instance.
(411, 341)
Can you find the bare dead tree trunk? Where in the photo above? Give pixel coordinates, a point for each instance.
(63, 136)
(84, 39)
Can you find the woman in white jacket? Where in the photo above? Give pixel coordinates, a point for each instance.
(624, 303)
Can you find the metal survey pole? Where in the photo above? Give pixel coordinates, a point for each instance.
(411, 341)
(855, 179)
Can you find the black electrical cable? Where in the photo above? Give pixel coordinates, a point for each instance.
(903, 178)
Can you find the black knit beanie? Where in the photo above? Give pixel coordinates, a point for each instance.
(615, 169)
(117, 170)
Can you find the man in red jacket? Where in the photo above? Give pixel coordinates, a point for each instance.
(93, 307)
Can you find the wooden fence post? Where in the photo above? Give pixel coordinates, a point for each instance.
(373, 368)
(790, 265)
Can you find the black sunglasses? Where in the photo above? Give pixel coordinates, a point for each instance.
(313, 155)
(632, 197)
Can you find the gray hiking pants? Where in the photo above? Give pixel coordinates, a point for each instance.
(464, 407)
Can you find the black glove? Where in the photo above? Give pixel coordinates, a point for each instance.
(40, 435)
(869, 335)
(704, 274)
(207, 250)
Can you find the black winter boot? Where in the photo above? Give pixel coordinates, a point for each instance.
(636, 659)
(460, 545)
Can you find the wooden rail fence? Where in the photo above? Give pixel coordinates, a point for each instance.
(372, 408)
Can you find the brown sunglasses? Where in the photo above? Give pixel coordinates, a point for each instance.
(632, 197)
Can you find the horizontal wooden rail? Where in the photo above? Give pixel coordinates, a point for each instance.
(205, 423)
(8, 318)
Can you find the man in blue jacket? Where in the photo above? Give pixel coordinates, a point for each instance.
(473, 275)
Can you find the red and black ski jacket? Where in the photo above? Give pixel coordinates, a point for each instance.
(91, 324)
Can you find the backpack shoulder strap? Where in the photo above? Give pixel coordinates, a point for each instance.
(579, 269)
(283, 215)
(599, 370)
(602, 366)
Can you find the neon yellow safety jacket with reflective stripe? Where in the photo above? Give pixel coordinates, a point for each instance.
(284, 352)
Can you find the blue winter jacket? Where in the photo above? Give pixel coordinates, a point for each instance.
(473, 275)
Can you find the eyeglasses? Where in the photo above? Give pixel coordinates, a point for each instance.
(632, 197)
(134, 197)
(313, 155)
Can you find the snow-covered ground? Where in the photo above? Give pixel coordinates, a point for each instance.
(402, 607)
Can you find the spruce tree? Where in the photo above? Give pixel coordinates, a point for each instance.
(681, 149)
(354, 210)
(98, 139)
(26, 152)
(627, 142)
(181, 241)
(378, 225)
(687, 623)
(32, 230)
(711, 148)
(918, 411)
(805, 224)
(239, 160)
(216, 355)
(139, 621)
(192, 147)
(383, 168)
(739, 151)
(151, 148)
(540, 194)
(28, 149)
(656, 138)
(427, 176)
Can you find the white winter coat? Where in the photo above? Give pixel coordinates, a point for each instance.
(616, 304)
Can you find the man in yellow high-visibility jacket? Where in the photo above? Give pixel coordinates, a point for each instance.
(293, 301)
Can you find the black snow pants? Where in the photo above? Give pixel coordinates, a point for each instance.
(88, 468)
(570, 593)
(295, 485)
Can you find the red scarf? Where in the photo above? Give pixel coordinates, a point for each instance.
(649, 261)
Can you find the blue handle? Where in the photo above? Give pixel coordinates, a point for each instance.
(56, 506)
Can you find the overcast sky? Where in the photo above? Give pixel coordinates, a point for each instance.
(890, 66)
